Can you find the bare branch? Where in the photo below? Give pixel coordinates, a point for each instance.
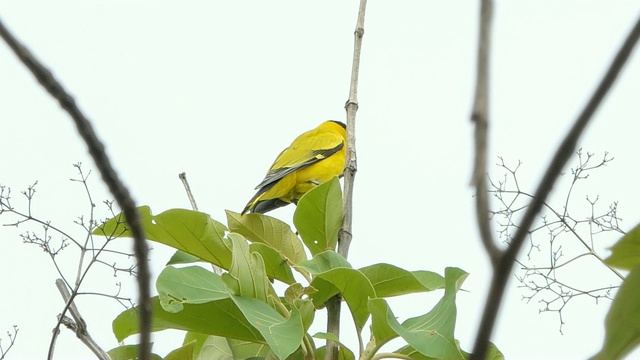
(351, 166)
(78, 325)
(194, 206)
(480, 116)
(5, 206)
(565, 222)
(566, 148)
(109, 175)
(45, 241)
(187, 188)
(351, 106)
(89, 230)
(12, 341)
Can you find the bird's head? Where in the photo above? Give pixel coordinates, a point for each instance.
(336, 125)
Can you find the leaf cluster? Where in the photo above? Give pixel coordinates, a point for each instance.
(622, 324)
(239, 314)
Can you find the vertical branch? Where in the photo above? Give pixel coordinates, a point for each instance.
(109, 175)
(344, 241)
(351, 162)
(480, 116)
(502, 269)
(187, 188)
(194, 206)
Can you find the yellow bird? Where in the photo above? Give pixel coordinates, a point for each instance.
(312, 158)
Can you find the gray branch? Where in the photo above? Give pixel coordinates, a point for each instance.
(109, 175)
(504, 265)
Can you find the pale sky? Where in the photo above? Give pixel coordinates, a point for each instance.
(217, 89)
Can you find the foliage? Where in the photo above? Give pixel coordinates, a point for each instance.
(622, 324)
(239, 315)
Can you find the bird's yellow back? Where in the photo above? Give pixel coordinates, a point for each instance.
(314, 157)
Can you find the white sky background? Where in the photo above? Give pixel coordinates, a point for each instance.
(217, 89)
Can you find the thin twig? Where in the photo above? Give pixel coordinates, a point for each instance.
(480, 117)
(109, 175)
(12, 341)
(187, 188)
(89, 237)
(44, 242)
(194, 206)
(78, 325)
(562, 220)
(344, 240)
(351, 106)
(567, 147)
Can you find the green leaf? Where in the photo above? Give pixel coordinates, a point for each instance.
(293, 292)
(275, 265)
(128, 352)
(296, 355)
(432, 334)
(307, 312)
(622, 324)
(343, 353)
(318, 216)
(246, 350)
(220, 348)
(181, 257)
(324, 261)
(283, 335)
(189, 285)
(625, 254)
(326, 336)
(380, 328)
(267, 230)
(355, 289)
(190, 231)
(197, 339)
(212, 347)
(324, 290)
(492, 353)
(247, 270)
(389, 280)
(413, 353)
(331, 272)
(185, 352)
(222, 318)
